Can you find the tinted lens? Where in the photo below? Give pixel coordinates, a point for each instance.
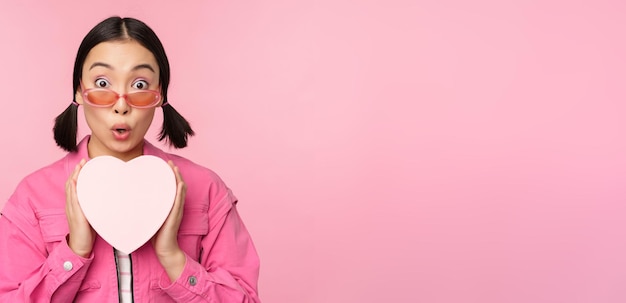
(102, 97)
(142, 98)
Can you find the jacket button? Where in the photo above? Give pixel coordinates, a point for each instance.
(67, 265)
(193, 281)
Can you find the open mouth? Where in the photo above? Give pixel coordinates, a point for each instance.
(121, 133)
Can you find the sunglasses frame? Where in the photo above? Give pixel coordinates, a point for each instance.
(85, 93)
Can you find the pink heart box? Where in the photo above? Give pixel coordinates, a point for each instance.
(126, 202)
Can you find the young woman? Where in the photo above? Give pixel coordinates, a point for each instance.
(48, 250)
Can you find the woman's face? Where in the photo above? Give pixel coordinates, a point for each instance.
(122, 66)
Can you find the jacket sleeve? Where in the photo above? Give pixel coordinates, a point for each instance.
(229, 267)
(28, 272)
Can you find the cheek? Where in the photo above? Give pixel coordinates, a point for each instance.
(145, 118)
(93, 116)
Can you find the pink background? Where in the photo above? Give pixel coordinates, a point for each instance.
(382, 151)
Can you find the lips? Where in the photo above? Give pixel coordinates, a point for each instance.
(121, 131)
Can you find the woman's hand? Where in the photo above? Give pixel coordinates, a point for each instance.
(82, 235)
(165, 242)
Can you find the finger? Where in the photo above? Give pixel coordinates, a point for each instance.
(179, 177)
(177, 209)
(70, 187)
(77, 169)
(182, 190)
(74, 206)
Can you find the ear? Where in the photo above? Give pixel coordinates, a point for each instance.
(160, 101)
(79, 96)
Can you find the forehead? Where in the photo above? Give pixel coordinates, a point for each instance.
(122, 55)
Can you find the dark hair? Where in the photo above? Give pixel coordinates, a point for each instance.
(175, 130)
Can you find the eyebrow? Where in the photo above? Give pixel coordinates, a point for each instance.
(140, 66)
(100, 64)
(147, 66)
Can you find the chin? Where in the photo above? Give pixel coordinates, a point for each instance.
(126, 146)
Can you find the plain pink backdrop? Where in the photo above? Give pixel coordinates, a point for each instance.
(382, 151)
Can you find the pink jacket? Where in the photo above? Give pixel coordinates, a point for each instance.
(37, 265)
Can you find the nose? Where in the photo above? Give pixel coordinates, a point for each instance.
(121, 106)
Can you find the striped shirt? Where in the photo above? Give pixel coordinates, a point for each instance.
(124, 277)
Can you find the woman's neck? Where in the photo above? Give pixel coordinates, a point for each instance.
(94, 150)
